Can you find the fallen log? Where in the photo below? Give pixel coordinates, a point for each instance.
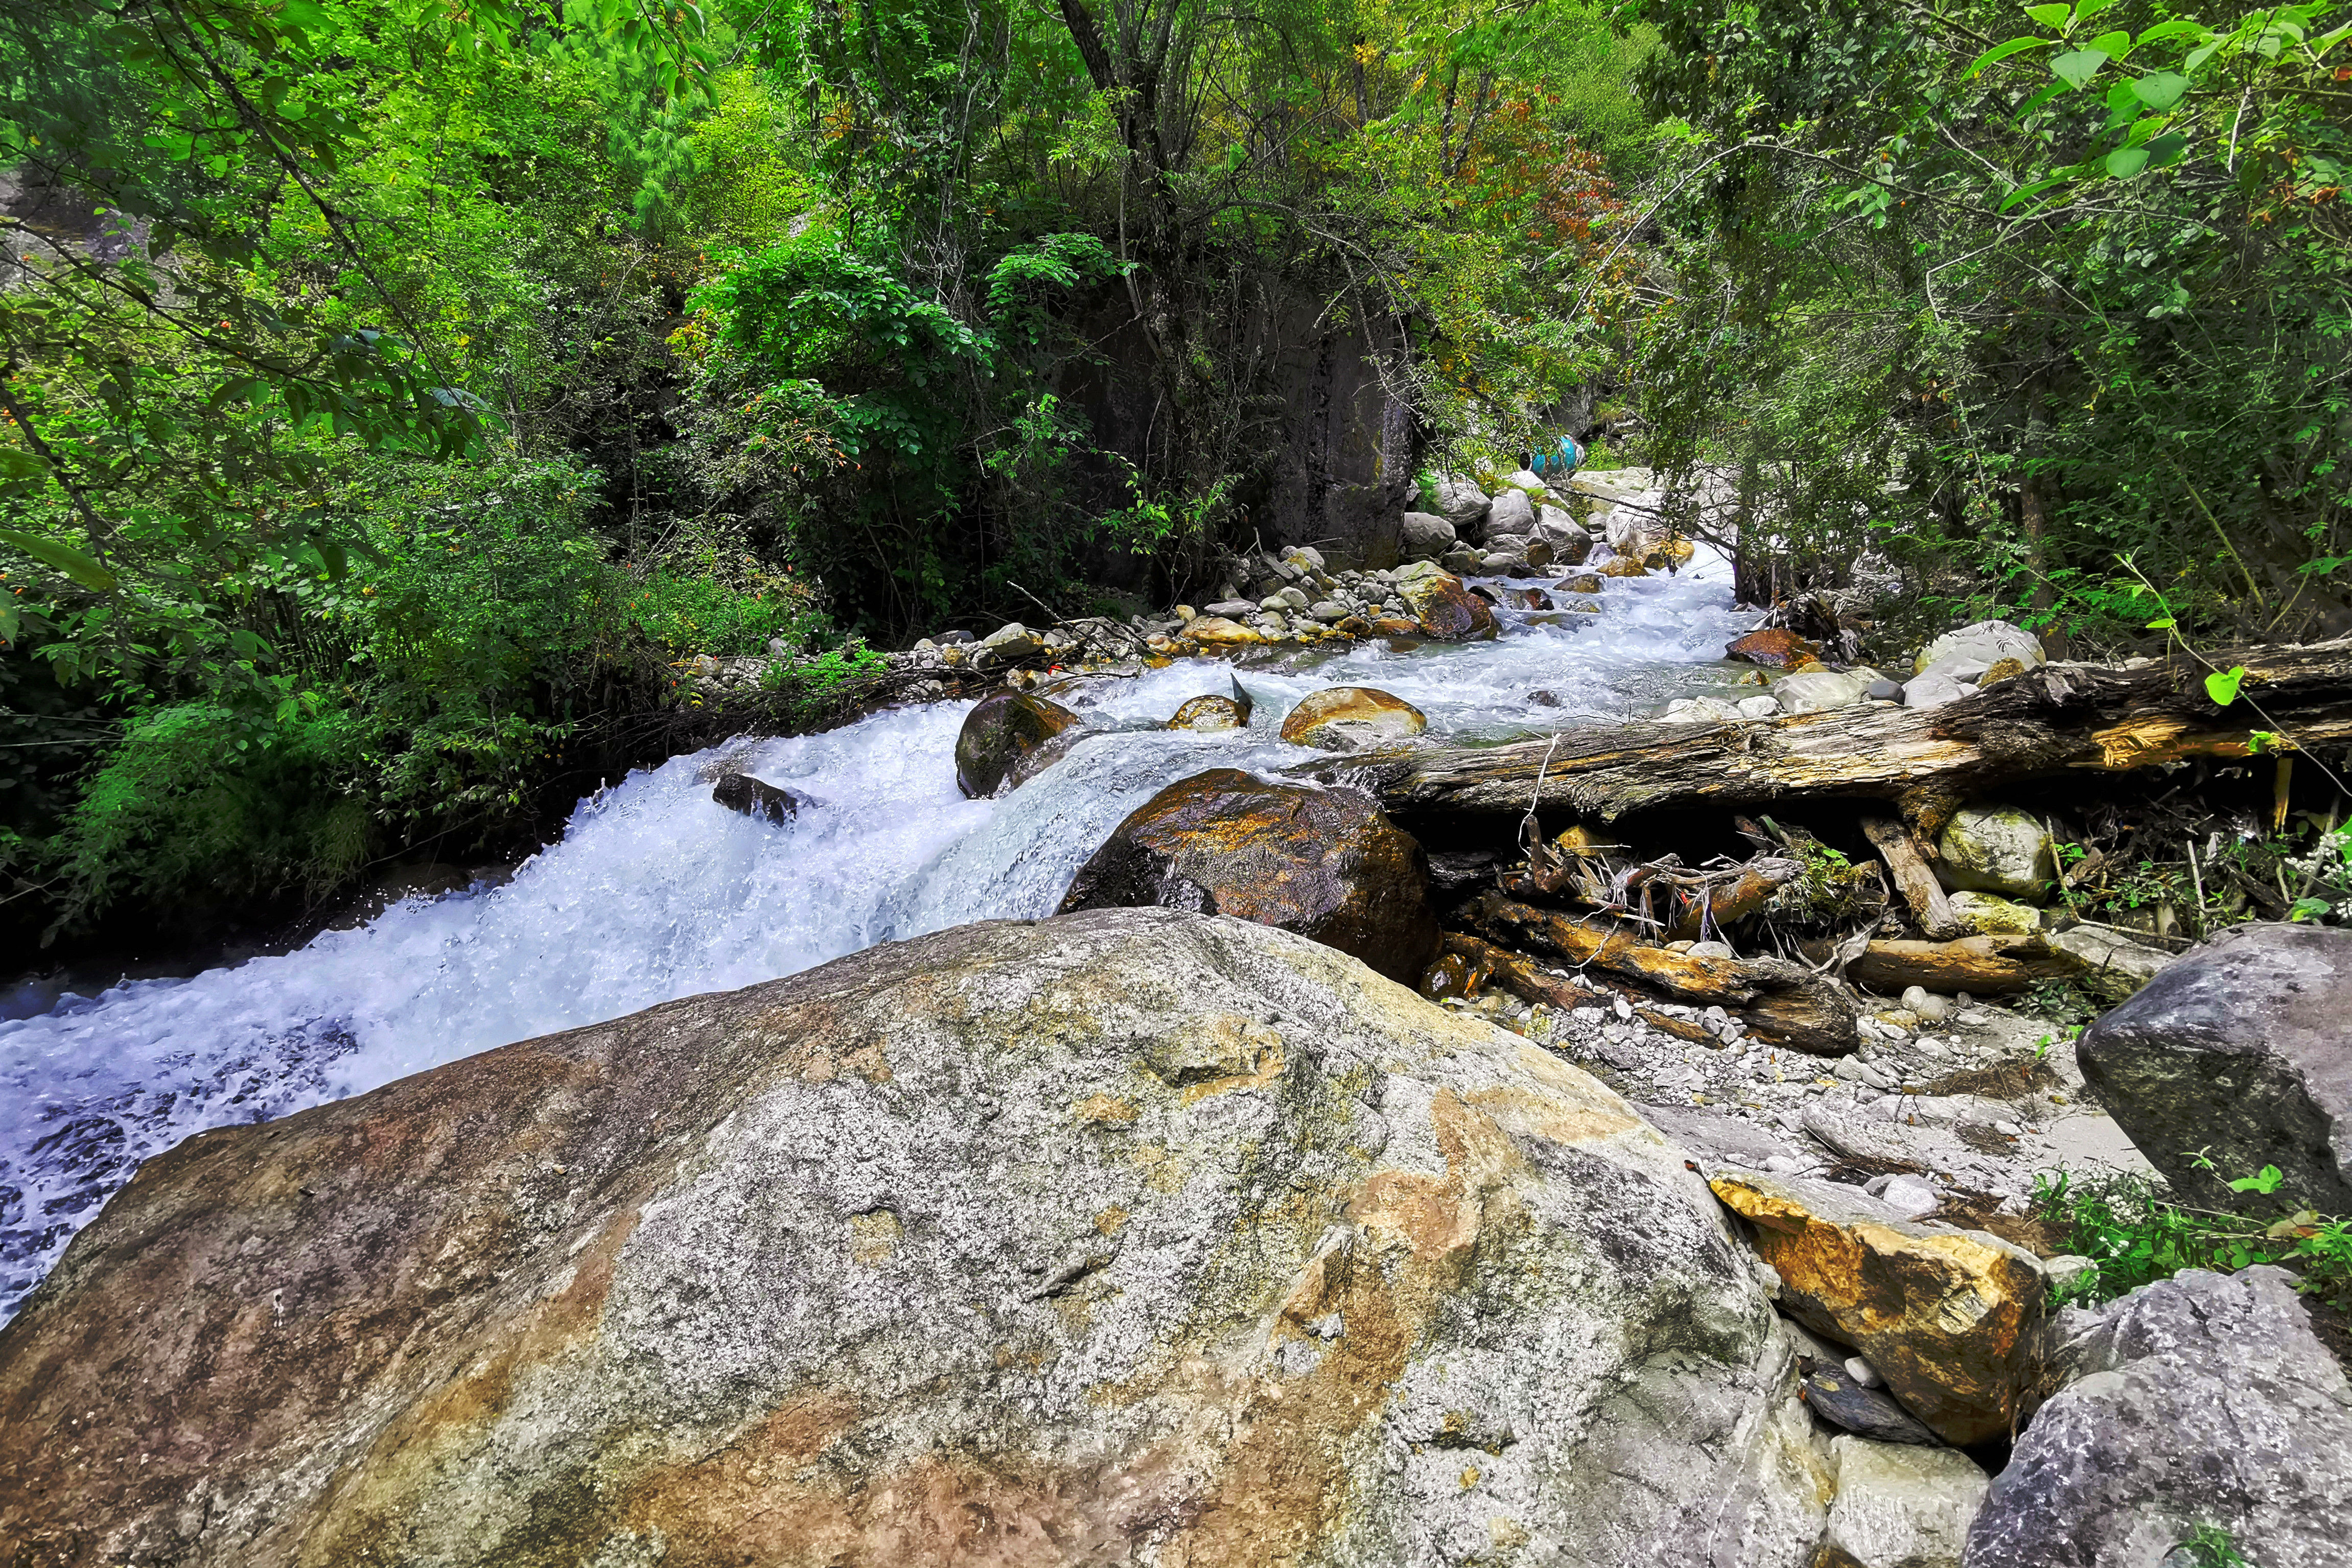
(1785, 1003)
(1469, 964)
(1907, 868)
(2051, 720)
(1981, 965)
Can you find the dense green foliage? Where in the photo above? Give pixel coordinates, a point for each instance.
(2034, 291)
(396, 392)
(2134, 1235)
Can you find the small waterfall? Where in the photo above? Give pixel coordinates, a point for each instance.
(653, 892)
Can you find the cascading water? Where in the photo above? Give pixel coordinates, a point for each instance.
(655, 891)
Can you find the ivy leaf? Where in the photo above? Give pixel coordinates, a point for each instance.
(82, 569)
(2078, 68)
(2222, 685)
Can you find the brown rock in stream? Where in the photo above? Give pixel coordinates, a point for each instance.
(1327, 864)
(1004, 729)
(1948, 1318)
(1446, 610)
(1774, 647)
(1349, 718)
(1128, 1237)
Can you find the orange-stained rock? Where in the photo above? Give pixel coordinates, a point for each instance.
(1949, 1318)
(1327, 864)
(1393, 626)
(1130, 1238)
(1446, 610)
(1621, 565)
(1774, 647)
(999, 734)
(1582, 582)
(1349, 718)
(1215, 712)
(1216, 631)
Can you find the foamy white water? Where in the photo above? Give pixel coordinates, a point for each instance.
(655, 891)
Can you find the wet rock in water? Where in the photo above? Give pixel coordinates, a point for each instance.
(1447, 611)
(1848, 1404)
(1544, 698)
(1529, 599)
(2201, 1399)
(1327, 864)
(2240, 1047)
(758, 798)
(1582, 582)
(1774, 647)
(1005, 726)
(1124, 1227)
(1949, 1318)
(1900, 1507)
(1995, 849)
(1214, 711)
(1621, 565)
(1390, 627)
(1982, 646)
(1350, 718)
(1425, 537)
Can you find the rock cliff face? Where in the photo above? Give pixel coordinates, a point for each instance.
(1131, 1237)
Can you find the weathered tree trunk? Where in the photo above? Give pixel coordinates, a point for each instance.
(1784, 1002)
(1981, 965)
(1908, 869)
(2052, 720)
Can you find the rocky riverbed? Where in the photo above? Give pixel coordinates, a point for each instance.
(1551, 1163)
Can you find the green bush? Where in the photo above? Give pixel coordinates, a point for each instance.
(200, 804)
(2135, 1235)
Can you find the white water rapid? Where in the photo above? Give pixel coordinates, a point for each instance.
(653, 892)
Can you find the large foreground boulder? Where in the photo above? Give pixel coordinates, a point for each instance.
(999, 733)
(1327, 864)
(1130, 1238)
(2240, 1047)
(2198, 1400)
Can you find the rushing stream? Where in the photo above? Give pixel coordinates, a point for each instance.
(653, 892)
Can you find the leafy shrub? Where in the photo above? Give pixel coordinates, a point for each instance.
(2135, 1235)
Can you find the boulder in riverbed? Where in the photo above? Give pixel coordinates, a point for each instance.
(1425, 537)
(1124, 1237)
(1980, 646)
(1214, 711)
(1950, 1319)
(1003, 728)
(758, 798)
(1327, 864)
(1774, 647)
(1349, 718)
(1820, 690)
(1995, 849)
(2241, 1046)
(1900, 1507)
(1461, 504)
(1447, 611)
(2198, 1400)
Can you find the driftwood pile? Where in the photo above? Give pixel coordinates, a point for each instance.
(1782, 937)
